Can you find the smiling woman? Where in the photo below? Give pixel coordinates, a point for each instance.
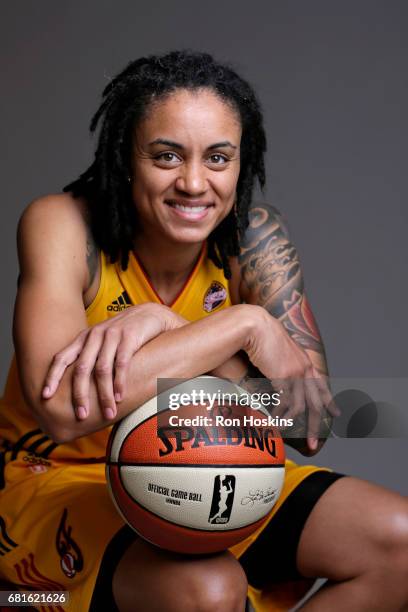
(156, 263)
(184, 176)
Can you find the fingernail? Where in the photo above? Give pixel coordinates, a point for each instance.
(313, 444)
(46, 391)
(118, 397)
(109, 413)
(81, 412)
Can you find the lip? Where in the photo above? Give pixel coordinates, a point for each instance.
(186, 215)
(191, 203)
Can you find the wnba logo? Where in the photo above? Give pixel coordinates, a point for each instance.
(222, 500)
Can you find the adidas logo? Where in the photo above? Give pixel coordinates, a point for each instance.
(121, 303)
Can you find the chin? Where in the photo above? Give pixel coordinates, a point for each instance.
(189, 237)
(188, 233)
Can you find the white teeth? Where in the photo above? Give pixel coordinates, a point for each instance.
(189, 209)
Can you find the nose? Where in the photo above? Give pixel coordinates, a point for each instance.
(192, 179)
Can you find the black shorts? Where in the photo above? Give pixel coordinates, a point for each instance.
(283, 531)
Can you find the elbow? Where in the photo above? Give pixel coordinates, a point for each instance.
(49, 414)
(58, 434)
(56, 423)
(55, 415)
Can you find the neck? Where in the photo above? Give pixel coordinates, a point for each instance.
(166, 267)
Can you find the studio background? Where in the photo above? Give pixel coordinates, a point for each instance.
(332, 81)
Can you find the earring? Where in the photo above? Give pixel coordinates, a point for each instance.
(129, 180)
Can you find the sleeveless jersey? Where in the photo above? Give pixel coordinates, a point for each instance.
(37, 501)
(205, 291)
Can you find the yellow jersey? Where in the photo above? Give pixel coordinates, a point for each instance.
(43, 484)
(205, 291)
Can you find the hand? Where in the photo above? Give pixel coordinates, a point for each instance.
(105, 350)
(305, 395)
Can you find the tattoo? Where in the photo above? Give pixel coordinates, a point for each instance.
(92, 256)
(271, 277)
(301, 325)
(270, 266)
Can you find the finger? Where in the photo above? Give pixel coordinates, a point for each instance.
(61, 361)
(125, 352)
(315, 409)
(81, 378)
(333, 408)
(327, 396)
(104, 372)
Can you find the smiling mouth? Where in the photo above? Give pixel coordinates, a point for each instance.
(187, 209)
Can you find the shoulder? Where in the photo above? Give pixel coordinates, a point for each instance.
(54, 209)
(264, 218)
(56, 226)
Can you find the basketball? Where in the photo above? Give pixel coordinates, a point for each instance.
(197, 478)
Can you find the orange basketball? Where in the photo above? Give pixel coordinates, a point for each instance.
(194, 480)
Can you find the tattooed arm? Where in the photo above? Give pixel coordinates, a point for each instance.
(271, 277)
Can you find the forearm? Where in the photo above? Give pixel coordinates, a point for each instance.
(308, 336)
(272, 278)
(186, 352)
(234, 369)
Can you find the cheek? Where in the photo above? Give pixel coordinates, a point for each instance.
(228, 183)
(151, 182)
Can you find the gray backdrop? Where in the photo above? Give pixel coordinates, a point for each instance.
(331, 76)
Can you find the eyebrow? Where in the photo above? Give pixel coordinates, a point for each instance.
(177, 145)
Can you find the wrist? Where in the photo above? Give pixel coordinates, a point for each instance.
(253, 322)
(166, 316)
(172, 320)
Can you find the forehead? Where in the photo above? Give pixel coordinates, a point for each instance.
(192, 114)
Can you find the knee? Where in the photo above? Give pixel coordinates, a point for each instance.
(147, 578)
(221, 587)
(393, 539)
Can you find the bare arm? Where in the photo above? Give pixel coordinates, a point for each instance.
(271, 276)
(49, 314)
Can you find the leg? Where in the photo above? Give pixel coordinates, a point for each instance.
(357, 537)
(149, 579)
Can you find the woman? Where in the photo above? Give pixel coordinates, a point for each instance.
(116, 278)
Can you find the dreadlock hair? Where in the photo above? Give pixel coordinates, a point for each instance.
(126, 99)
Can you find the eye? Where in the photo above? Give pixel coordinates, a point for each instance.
(218, 159)
(167, 157)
